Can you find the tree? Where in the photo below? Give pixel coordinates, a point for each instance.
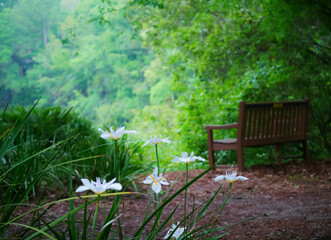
(57, 50)
(31, 22)
(95, 68)
(220, 52)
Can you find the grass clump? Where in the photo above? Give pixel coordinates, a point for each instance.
(43, 150)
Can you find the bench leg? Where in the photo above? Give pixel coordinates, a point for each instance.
(211, 157)
(210, 148)
(305, 150)
(240, 158)
(278, 154)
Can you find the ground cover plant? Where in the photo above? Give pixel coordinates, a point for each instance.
(46, 126)
(27, 213)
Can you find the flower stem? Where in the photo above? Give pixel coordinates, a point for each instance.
(95, 217)
(71, 202)
(116, 168)
(155, 201)
(157, 160)
(186, 181)
(105, 210)
(155, 207)
(120, 234)
(226, 199)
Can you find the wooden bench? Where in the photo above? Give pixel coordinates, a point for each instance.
(260, 124)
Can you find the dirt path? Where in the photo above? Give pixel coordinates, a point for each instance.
(294, 200)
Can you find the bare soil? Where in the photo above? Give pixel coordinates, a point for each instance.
(292, 200)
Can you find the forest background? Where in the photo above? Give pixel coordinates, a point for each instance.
(169, 67)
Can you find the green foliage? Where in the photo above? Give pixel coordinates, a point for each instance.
(40, 218)
(219, 53)
(48, 126)
(60, 45)
(157, 120)
(36, 147)
(40, 148)
(97, 71)
(200, 58)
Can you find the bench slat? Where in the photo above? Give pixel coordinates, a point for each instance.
(259, 124)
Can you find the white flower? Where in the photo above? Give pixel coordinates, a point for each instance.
(230, 177)
(177, 233)
(98, 187)
(3, 160)
(114, 134)
(156, 181)
(187, 159)
(154, 140)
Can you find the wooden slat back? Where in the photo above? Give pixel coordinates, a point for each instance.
(271, 123)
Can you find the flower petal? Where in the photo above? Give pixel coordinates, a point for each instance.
(130, 132)
(121, 129)
(111, 130)
(100, 130)
(164, 181)
(166, 140)
(156, 187)
(219, 178)
(242, 178)
(112, 181)
(156, 170)
(199, 158)
(229, 178)
(85, 181)
(98, 180)
(168, 233)
(105, 135)
(147, 142)
(115, 186)
(82, 189)
(148, 180)
(176, 159)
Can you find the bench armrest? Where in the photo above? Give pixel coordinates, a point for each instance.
(225, 126)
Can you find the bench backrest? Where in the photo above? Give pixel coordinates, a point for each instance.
(272, 122)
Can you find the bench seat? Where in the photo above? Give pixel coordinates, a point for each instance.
(260, 124)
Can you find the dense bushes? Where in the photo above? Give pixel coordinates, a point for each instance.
(221, 52)
(46, 127)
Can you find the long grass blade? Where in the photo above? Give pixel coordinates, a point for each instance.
(34, 155)
(6, 131)
(67, 199)
(230, 225)
(35, 229)
(170, 199)
(55, 233)
(14, 132)
(207, 205)
(163, 224)
(68, 162)
(75, 210)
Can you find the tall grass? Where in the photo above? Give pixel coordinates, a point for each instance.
(46, 126)
(43, 149)
(40, 148)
